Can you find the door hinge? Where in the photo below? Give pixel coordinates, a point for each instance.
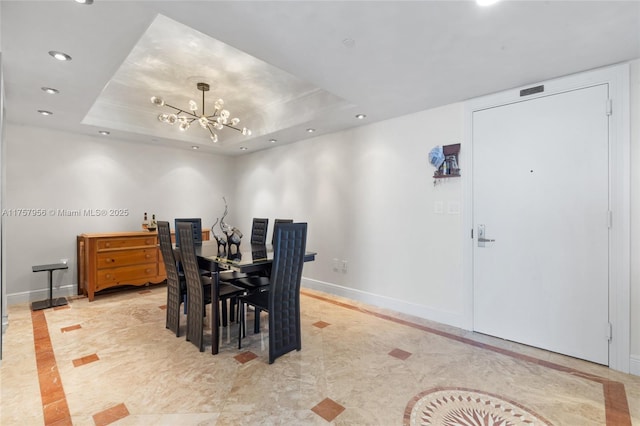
(609, 106)
(609, 219)
(472, 233)
(609, 331)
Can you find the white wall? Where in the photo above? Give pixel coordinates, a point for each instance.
(635, 216)
(53, 170)
(368, 195)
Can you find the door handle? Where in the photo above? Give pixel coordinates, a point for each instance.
(481, 237)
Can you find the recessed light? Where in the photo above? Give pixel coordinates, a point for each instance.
(195, 147)
(273, 140)
(84, 1)
(50, 90)
(310, 130)
(60, 55)
(104, 132)
(361, 116)
(243, 148)
(45, 112)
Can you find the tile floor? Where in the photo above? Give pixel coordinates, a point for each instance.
(112, 361)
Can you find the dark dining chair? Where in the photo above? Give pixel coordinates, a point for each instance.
(259, 231)
(199, 288)
(282, 299)
(276, 222)
(176, 284)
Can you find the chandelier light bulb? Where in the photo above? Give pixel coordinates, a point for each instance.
(163, 117)
(184, 125)
(172, 118)
(219, 104)
(224, 114)
(203, 122)
(193, 106)
(235, 121)
(214, 137)
(217, 126)
(157, 101)
(246, 132)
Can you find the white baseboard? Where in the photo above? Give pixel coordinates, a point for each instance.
(402, 306)
(35, 295)
(634, 365)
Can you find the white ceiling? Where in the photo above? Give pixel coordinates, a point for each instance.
(312, 63)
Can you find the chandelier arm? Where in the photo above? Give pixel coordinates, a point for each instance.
(232, 127)
(181, 110)
(210, 131)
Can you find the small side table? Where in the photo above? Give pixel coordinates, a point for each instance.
(51, 302)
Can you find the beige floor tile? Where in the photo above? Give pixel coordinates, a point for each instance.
(372, 362)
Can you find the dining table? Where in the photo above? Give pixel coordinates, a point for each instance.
(250, 259)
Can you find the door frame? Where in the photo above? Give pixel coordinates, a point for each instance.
(617, 77)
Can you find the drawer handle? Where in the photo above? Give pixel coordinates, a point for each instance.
(107, 276)
(148, 270)
(148, 242)
(107, 244)
(148, 256)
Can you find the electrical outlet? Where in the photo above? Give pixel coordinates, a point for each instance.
(344, 266)
(336, 265)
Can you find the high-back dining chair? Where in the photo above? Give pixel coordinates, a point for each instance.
(276, 222)
(282, 299)
(199, 288)
(259, 230)
(176, 285)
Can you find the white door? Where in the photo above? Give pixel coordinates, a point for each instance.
(541, 191)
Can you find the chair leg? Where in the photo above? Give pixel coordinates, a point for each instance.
(240, 322)
(223, 302)
(256, 320)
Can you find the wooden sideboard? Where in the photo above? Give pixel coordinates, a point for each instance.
(115, 259)
(119, 258)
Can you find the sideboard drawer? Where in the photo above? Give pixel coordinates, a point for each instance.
(116, 243)
(109, 277)
(112, 259)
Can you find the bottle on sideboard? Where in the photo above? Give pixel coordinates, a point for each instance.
(145, 222)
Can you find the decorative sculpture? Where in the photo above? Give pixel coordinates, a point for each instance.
(233, 234)
(222, 243)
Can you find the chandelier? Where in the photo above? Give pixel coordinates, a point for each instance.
(216, 121)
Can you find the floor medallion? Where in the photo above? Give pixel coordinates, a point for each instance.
(456, 406)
